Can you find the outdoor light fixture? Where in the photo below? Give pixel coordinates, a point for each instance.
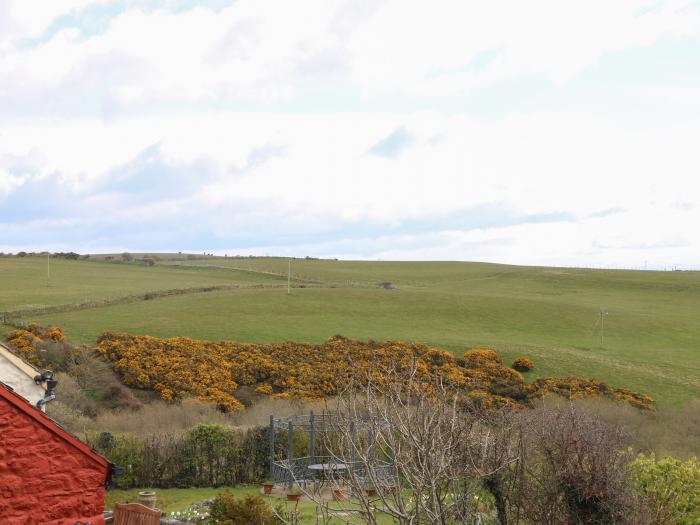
(46, 375)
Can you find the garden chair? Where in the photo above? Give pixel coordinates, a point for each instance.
(135, 514)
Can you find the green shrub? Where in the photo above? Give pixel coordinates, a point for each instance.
(523, 364)
(671, 488)
(226, 509)
(208, 450)
(127, 452)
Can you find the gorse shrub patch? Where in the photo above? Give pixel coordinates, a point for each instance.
(523, 364)
(87, 379)
(53, 333)
(25, 340)
(174, 367)
(575, 387)
(481, 356)
(212, 371)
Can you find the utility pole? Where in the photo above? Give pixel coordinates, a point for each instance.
(603, 313)
(48, 268)
(289, 277)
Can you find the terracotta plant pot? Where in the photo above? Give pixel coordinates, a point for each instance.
(338, 495)
(371, 492)
(267, 488)
(293, 497)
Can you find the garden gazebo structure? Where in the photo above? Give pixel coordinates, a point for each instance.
(301, 469)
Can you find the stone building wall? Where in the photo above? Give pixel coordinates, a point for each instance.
(45, 478)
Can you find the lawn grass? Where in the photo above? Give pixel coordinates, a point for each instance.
(174, 500)
(652, 334)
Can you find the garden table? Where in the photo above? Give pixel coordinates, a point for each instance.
(327, 468)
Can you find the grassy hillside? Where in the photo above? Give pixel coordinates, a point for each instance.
(652, 334)
(24, 282)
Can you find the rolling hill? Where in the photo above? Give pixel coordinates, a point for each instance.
(652, 334)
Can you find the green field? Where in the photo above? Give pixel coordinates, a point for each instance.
(652, 332)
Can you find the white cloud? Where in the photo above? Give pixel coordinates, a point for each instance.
(266, 51)
(22, 20)
(163, 94)
(408, 47)
(318, 176)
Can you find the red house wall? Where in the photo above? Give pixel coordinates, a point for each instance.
(44, 478)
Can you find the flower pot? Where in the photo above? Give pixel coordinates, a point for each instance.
(147, 499)
(293, 497)
(267, 488)
(371, 492)
(338, 495)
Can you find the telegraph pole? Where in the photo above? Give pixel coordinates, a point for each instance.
(603, 313)
(289, 277)
(48, 268)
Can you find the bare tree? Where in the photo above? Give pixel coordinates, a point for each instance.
(415, 449)
(411, 449)
(500, 467)
(576, 471)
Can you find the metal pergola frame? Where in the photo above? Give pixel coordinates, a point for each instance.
(296, 468)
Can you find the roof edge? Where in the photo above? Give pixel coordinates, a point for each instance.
(23, 366)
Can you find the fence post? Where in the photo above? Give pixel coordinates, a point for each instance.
(312, 440)
(272, 448)
(353, 439)
(290, 452)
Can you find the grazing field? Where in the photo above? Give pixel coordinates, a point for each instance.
(25, 284)
(652, 333)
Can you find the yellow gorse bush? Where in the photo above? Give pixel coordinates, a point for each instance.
(173, 367)
(575, 387)
(25, 340)
(523, 364)
(212, 370)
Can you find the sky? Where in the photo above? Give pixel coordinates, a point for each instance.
(553, 132)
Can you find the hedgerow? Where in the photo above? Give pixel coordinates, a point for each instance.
(205, 455)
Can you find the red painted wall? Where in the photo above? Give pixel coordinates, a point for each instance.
(44, 478)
